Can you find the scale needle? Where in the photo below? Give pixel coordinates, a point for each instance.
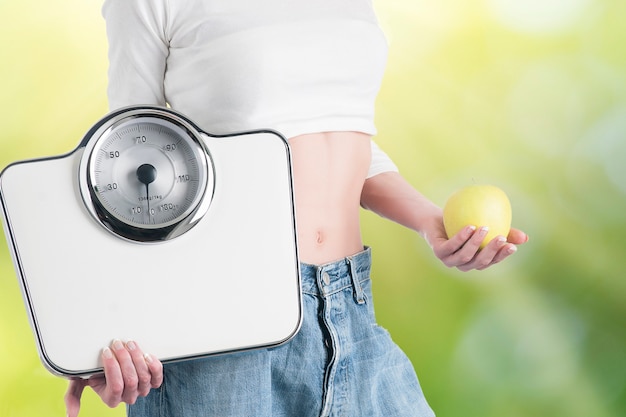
(146, 174)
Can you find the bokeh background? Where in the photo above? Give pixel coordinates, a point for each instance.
(527, 95)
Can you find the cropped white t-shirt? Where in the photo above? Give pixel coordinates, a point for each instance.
(295, 66)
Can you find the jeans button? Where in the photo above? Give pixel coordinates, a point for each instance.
(326, 278)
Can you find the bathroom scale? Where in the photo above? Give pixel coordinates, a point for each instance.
(155, 231)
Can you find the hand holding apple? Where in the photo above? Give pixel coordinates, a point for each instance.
(479, 206)
(472, 246)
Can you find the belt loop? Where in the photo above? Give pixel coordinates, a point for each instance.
(319, 278)
(359, 294)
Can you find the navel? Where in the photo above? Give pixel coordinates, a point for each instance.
(320, 237)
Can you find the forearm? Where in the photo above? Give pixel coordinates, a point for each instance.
(390, 196)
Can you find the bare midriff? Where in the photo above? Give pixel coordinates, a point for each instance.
(329, 170)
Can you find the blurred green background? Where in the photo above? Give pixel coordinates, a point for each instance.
(527, 95)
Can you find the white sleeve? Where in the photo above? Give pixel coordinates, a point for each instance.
(380, 162)
(138, 50)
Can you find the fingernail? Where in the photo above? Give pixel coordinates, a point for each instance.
(501, 240)
(117, 345)
(147, 358)
(131, 345)
(512, 249)
(484, 230)
(106, 353)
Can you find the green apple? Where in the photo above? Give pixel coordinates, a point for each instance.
(478, 205)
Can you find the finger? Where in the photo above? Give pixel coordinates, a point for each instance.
(482, 258)
(517, 237)
(128, 372)
(73, 395)
(156, 370)
(490, 254)
(109, 387)
(464, 258)
(454, 243)
(504, 252)
(496, 251)
(144, 377)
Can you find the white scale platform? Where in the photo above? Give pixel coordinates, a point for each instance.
(230, 283)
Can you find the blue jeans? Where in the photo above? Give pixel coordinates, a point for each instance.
(341, 363)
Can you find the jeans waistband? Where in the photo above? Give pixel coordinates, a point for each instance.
(335, 276)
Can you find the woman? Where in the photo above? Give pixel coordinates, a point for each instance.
(310, 70)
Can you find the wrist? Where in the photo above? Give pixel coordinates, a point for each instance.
(430, 225)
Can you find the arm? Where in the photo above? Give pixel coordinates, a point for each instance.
(138, 50)
(389, 195)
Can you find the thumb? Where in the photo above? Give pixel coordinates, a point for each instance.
(517, 237)
(72, 396)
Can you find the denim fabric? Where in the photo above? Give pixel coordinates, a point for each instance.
(341, 363)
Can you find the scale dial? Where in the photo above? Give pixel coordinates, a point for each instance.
(146, 175)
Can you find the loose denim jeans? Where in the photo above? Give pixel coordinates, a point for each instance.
(341, 363)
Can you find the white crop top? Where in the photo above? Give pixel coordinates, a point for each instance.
(295, 66)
